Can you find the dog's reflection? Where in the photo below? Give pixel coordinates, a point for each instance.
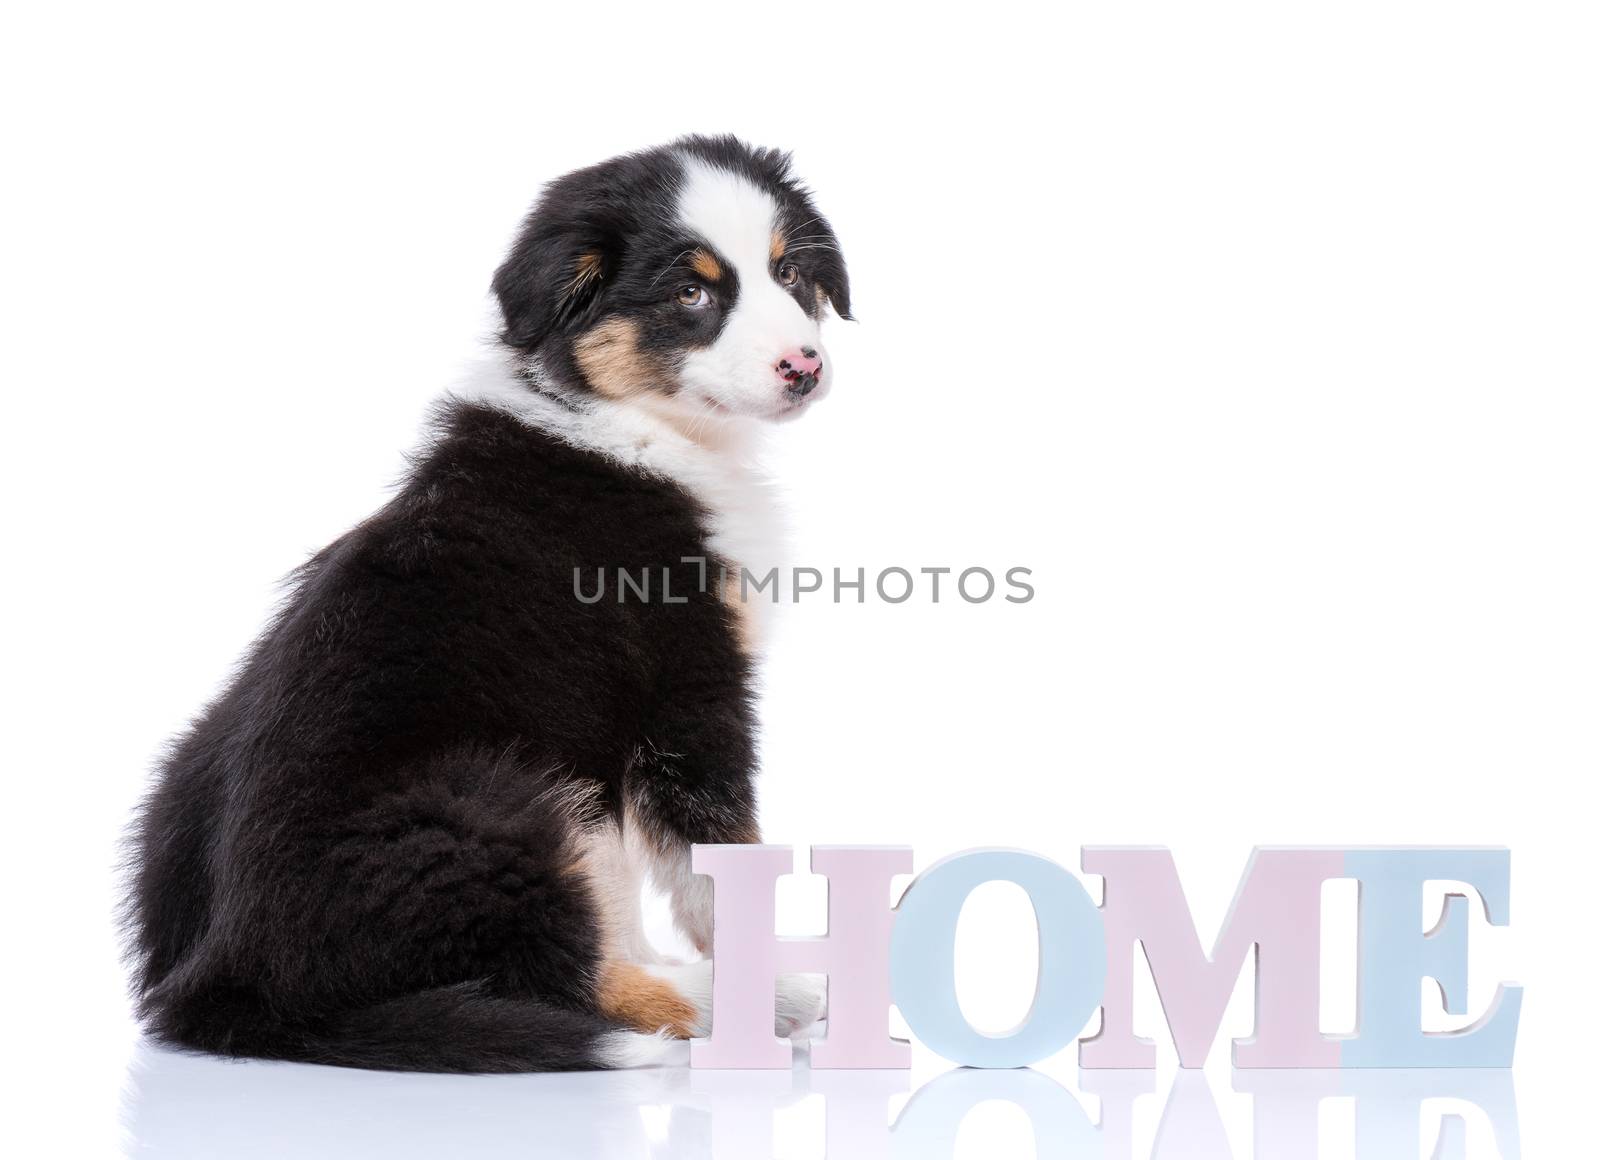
(189, 1106)
(193, 1106)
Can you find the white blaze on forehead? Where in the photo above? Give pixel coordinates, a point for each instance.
(734, 215)
(738, 370)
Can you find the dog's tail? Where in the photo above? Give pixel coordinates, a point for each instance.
(458, 1028)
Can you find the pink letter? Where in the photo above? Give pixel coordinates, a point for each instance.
(1277, 908)
(749, 956)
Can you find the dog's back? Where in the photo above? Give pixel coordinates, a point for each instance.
(368, 851)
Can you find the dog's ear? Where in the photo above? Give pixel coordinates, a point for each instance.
(830, 271)
(835, 283)
(553, 276)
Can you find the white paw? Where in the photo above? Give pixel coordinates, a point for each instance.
(693, 981)
(802, 1000)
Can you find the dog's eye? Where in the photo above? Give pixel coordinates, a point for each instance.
(788, 273)
(693, 296)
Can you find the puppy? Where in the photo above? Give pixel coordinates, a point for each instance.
(411, 833)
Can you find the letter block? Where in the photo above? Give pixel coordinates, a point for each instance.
(1277, 908)
(854, 954)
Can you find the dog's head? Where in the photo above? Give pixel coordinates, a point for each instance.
(692, 277)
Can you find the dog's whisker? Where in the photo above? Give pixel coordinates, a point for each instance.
(702, 422)
(670, 266)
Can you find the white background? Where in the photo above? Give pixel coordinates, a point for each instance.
(1264, 334)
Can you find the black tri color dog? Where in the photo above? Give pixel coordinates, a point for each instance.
(412, 832)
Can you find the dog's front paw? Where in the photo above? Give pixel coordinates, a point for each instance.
(801, 1001)
(691, 912)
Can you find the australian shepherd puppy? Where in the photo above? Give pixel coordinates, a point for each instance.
(411, 833)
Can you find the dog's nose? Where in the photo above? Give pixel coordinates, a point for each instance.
(801, 369)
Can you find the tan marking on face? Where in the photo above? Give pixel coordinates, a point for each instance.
(779, 244)
(705, 264)
(630, 995)
(611, 360)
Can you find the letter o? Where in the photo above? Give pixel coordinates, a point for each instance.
(961, 585)
(1072, 958)
(904, 596)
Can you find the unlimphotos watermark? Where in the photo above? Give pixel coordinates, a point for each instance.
(893, 585)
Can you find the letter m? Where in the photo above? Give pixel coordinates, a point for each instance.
(1276, 909)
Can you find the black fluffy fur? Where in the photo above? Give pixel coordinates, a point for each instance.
(362, 853)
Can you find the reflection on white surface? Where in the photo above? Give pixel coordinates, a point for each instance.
(1388, 1106)
(189, 1106)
